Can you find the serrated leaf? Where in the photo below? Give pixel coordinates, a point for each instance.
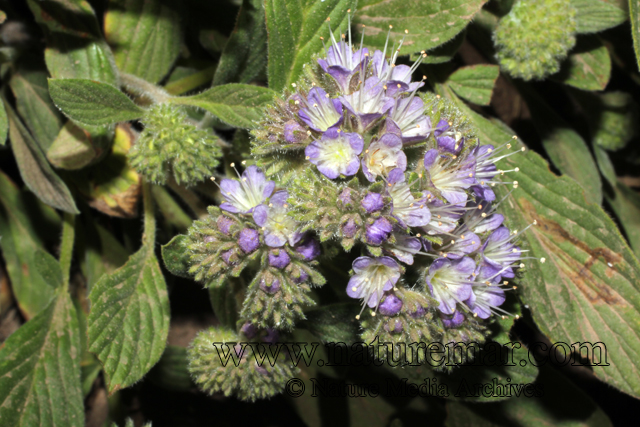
(35, 169)
(75, 47)
(588, 289)
(566, 149)
(333, 323)
(445, 52)
(114, 187)
(475, 83)
(4, 125)
(35, 107)
(634, 16)
(245, 55)
(20, 241)
(75, 147)
(588, 66)
(430, 23)
(549, 406)
(593, 16)
(40, 369)
(129, 319)
(294, 29)
(236, 104)
(92, 103)
(176, 256)
(145, 36)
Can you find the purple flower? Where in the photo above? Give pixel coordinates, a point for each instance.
(447, 141)
(394, 75)
(249, 330)
(248, 240)
(499, 253)
(336, 153)
(270, 288)
(452, 320)
(321, 112)
(279, 228)
(378, 232)
(444, 216)
(224, 224)
(368, 104)
(406, 209)
(486, 170)
(308, 248)
(242, 196)
(278, 258)
(484, 300)
(465, 244)
(448, 282)
(294, 133)
(383, 156)
(451, 178)
(342, 63)
(391, 305)
(404, 248)
(344, 198)
(349, 228)
(372, 202)
(408, 115)
(372, 277)
(481, 219)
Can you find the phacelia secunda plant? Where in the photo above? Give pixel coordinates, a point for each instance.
(354, 159)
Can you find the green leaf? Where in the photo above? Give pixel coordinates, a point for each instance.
(245, 55)
(237, 104)
(172, 212)
(75, 47)
(35, 169)
(48, 268)
(4, 125)
(475, 83)
(566, 149)
(176, 256)
(35, 107)
(20, 241)
(445, 52)
(294, 29)
(40, 369)
(333, 323)
(429, 23)
(227, 300)
(588, 67)
(588, 289)
(145, 36)
(75, 147)
(624, 201)
(549, 406)
(634, 16)
(92, 103)
(129, 319)
(171, 371)
(593, 16)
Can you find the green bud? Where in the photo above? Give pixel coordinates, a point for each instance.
(240, 376)
(535, 37)
(170, 144)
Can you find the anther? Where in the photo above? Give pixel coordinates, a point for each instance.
(542, 260)
(233, 165)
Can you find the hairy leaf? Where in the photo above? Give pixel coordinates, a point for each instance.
(35, 107)
(176, 256)
(75, 47)
(92, 103)
(35, 169)
(294, 29)
(333, 323)
(145, 36)
(4, 125)
(129, 319)
(429, 23)
(565, 147)
(588, 288)
(75, 147)
(245, 55)
(20, 241)
(475, 83)
(588, 67)
(236, 104)
(40, 369)
(593, 16)
(634, 16)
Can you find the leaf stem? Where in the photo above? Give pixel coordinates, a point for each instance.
(66, 245)
(143, 89)
(149, 236)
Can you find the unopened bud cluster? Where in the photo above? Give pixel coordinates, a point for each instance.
(171, 145)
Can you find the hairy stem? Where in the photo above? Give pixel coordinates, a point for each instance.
(66, 246)
(149, 236)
